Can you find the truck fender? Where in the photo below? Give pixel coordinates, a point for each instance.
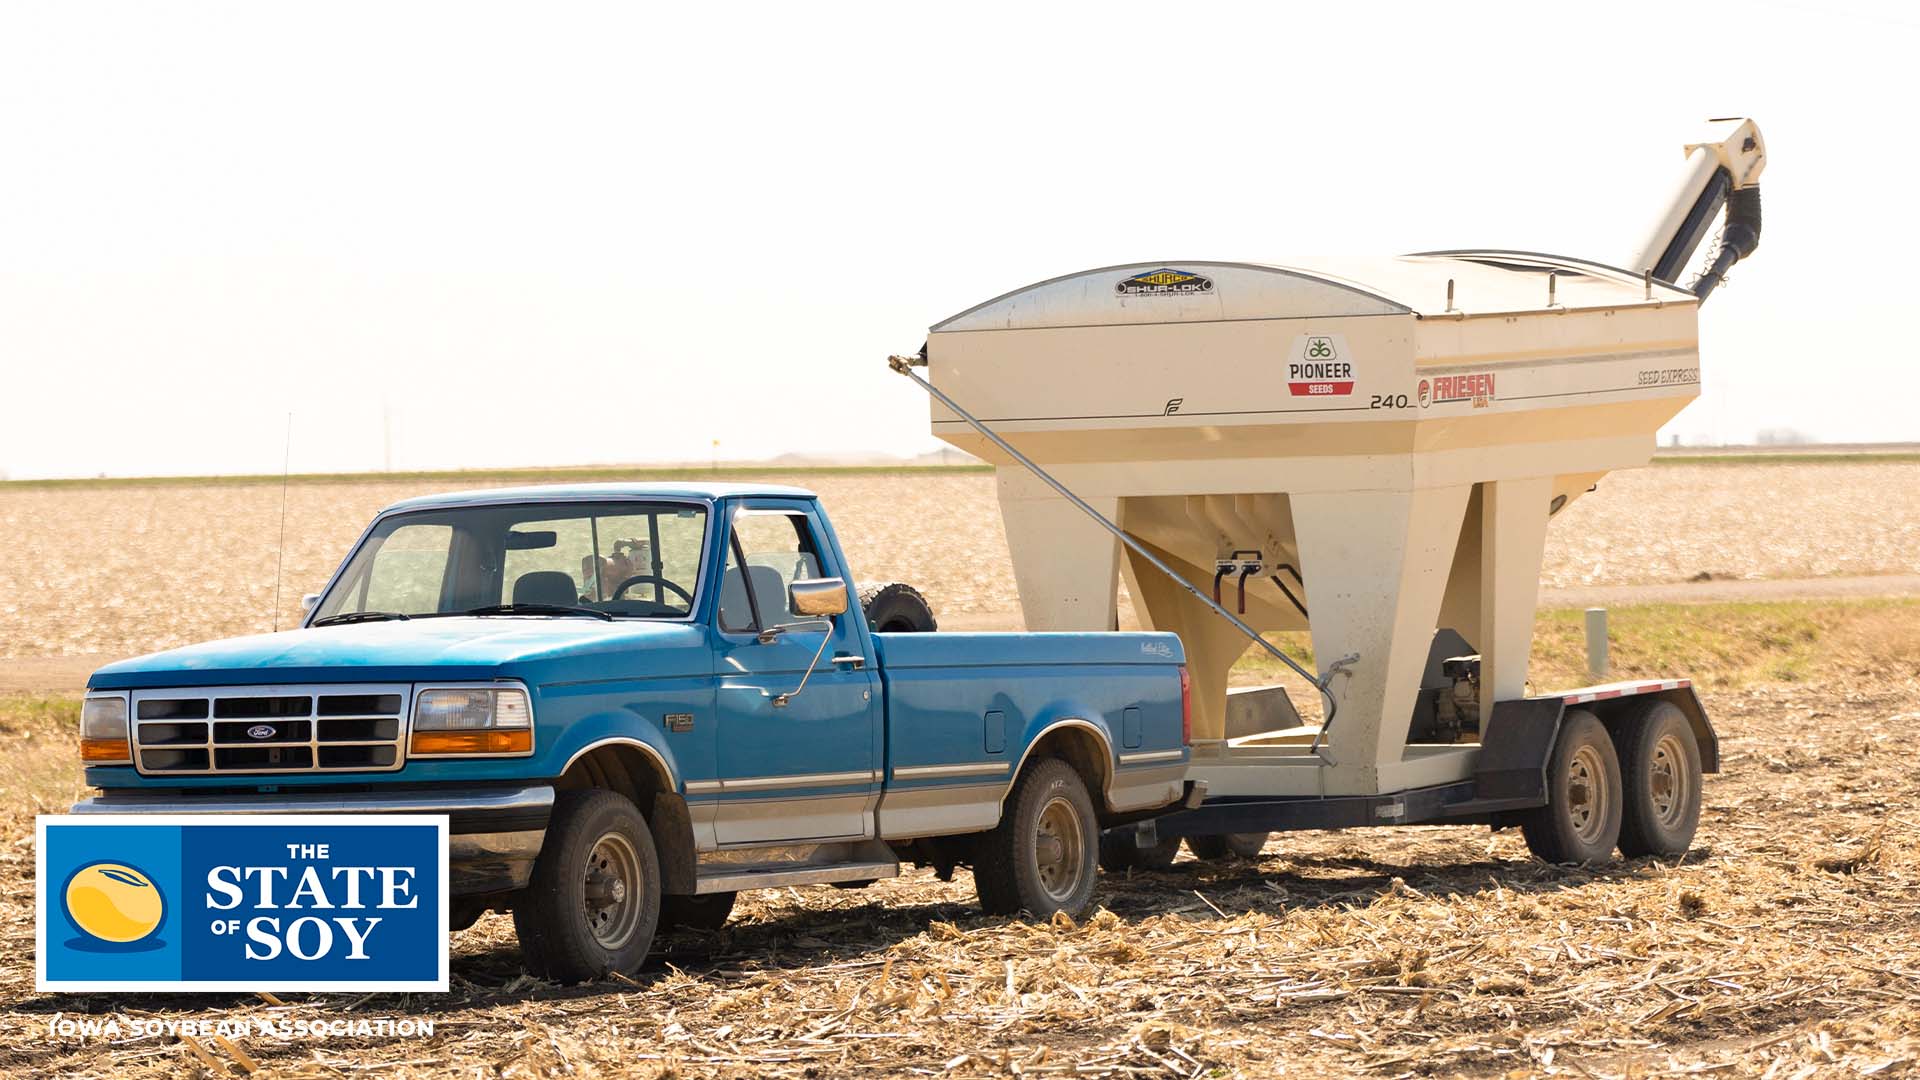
(612, 762)
(1086, 744)
(616, 728)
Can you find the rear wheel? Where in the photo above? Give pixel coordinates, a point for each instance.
(1581, 821)
(1243, 845)
(594, 900)
(706, 912)
(1041, 857)
(1660, 770)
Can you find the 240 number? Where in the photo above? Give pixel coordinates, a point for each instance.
(1391, 401)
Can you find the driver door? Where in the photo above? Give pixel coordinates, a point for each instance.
(809, 769)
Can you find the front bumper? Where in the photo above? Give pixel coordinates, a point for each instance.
(494, 835)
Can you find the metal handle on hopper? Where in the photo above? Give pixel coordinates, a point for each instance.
(905, 365)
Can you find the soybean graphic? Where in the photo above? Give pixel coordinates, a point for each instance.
(114, 902)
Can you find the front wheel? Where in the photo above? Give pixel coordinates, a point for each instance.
(1581, 821)
(594, 900)
(1041, 857)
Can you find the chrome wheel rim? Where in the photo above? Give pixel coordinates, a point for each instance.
(1669, 784)
(1059, 849)
(1588, 799)
(612, 891)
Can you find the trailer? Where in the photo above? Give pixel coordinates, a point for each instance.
(1368, 449)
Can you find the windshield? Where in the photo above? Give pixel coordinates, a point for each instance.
(624, 559)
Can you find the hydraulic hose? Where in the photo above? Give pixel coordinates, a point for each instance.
(1737, 241)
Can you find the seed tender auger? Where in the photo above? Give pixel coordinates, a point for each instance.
(1369, 449)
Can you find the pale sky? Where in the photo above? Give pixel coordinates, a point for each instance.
(566, 233)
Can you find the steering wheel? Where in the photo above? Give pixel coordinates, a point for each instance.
(620, 590)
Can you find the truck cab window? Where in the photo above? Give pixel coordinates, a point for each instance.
(769, 551)
(407, 571)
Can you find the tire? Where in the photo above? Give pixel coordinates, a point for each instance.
(706, 912)
(894, 608)
(1119, 854)
(1581, 821)
(1660, 772)
(1239, 845)
(594, 901)
(1041, 857)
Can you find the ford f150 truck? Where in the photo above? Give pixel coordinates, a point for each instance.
(634, 701)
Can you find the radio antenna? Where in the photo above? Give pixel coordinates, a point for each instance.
(280, 553)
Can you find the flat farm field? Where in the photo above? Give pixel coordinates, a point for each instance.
(114, 570)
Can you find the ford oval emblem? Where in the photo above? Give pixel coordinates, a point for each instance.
(262, 731)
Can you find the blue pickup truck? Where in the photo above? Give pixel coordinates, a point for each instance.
(634, 701)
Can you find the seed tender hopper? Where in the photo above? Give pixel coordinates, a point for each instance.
(1370, 449)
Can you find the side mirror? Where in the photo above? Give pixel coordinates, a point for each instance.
(818, 598)
(309, 602)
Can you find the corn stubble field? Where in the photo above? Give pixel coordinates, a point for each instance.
(122, 570)
(1785, 944)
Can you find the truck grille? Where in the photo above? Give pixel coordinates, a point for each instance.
(269, 729)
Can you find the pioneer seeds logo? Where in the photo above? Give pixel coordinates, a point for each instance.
(260, 902)
(1317, 368)
(1164, 282)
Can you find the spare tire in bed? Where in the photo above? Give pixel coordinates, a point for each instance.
(895, 608)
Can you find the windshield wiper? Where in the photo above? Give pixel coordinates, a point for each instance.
(358, 616)
(538, 609)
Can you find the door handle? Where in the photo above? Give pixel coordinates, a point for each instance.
(850, 661)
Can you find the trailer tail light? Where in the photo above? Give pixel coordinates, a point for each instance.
(1186, 707)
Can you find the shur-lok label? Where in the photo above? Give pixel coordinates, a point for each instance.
(254, 902)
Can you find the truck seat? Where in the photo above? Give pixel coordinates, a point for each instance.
(546, 587)
(768, 589)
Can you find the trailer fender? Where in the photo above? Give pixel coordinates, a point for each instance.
(1613, 709)
(1519, 738)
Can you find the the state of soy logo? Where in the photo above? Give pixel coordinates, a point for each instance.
(253, 902)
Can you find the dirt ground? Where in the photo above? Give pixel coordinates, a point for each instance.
(1786, 944)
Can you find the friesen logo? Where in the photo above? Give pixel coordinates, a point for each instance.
(1319, 370)
(246, 902)
(1425, 393)
(1477, 388)
(1164, 282)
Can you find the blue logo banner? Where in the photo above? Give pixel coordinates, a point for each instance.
(242, 902)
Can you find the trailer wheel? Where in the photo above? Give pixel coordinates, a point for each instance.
(1042, 855)
(1119, 854)
(1243, 845)
(705, 912)
(1660, 770)
(894, 608)
(1581, 821)
(594, 900)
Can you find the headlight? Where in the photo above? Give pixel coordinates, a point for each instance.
(103, 731)
(472, 721)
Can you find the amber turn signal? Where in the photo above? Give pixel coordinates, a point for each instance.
(104, 751)
(484, 741)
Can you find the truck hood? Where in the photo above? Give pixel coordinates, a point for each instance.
(536, 649)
